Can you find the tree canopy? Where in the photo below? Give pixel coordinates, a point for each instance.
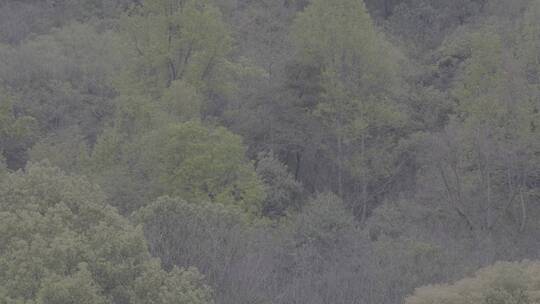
(61, 243)
(269, 151)
(503, 282)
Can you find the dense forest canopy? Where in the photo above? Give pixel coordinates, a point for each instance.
(269, 151)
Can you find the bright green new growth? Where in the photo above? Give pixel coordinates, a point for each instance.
(175, 40)
(188, 160)
(198, 163)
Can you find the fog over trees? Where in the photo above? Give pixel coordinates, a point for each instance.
(269, 151)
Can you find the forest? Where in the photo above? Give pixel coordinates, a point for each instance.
(269, 151)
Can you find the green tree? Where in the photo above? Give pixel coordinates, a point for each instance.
(189, 160)
(79, 287)
(324, 247)
(17, 133)
(422, 25)
(60, 243)
(3, 169)
(503, 282)
(21, 20)
(527, 48)
(64, 78)
(283, 192)
(201, 164)
(66, 149)
(174, 287)
(359, 86)
(63, 81)
(237, 254)
(182, 101)
(324, 225)
(210, 236)
(487, 151)
(171, 40)
(179, 67)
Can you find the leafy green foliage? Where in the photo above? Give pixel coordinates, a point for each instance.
(423, 116)
(341, 38)
(201, 164)
(3, 169)
(182, 101)
(325, 225)
(60, 243)
(64, 78)
(189, 160)
(21, 20)
(79, 287)
(16, 133)
(483, 157)
(176, 286)
(501, 283)
(359, 89)
(283, 192)
(175, 40)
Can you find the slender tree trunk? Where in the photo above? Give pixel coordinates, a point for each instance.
(298, 162)
(340, 156)
(363, 180)
(523, 202)
(523, 211)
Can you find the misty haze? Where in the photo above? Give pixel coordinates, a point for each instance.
(269, 151)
